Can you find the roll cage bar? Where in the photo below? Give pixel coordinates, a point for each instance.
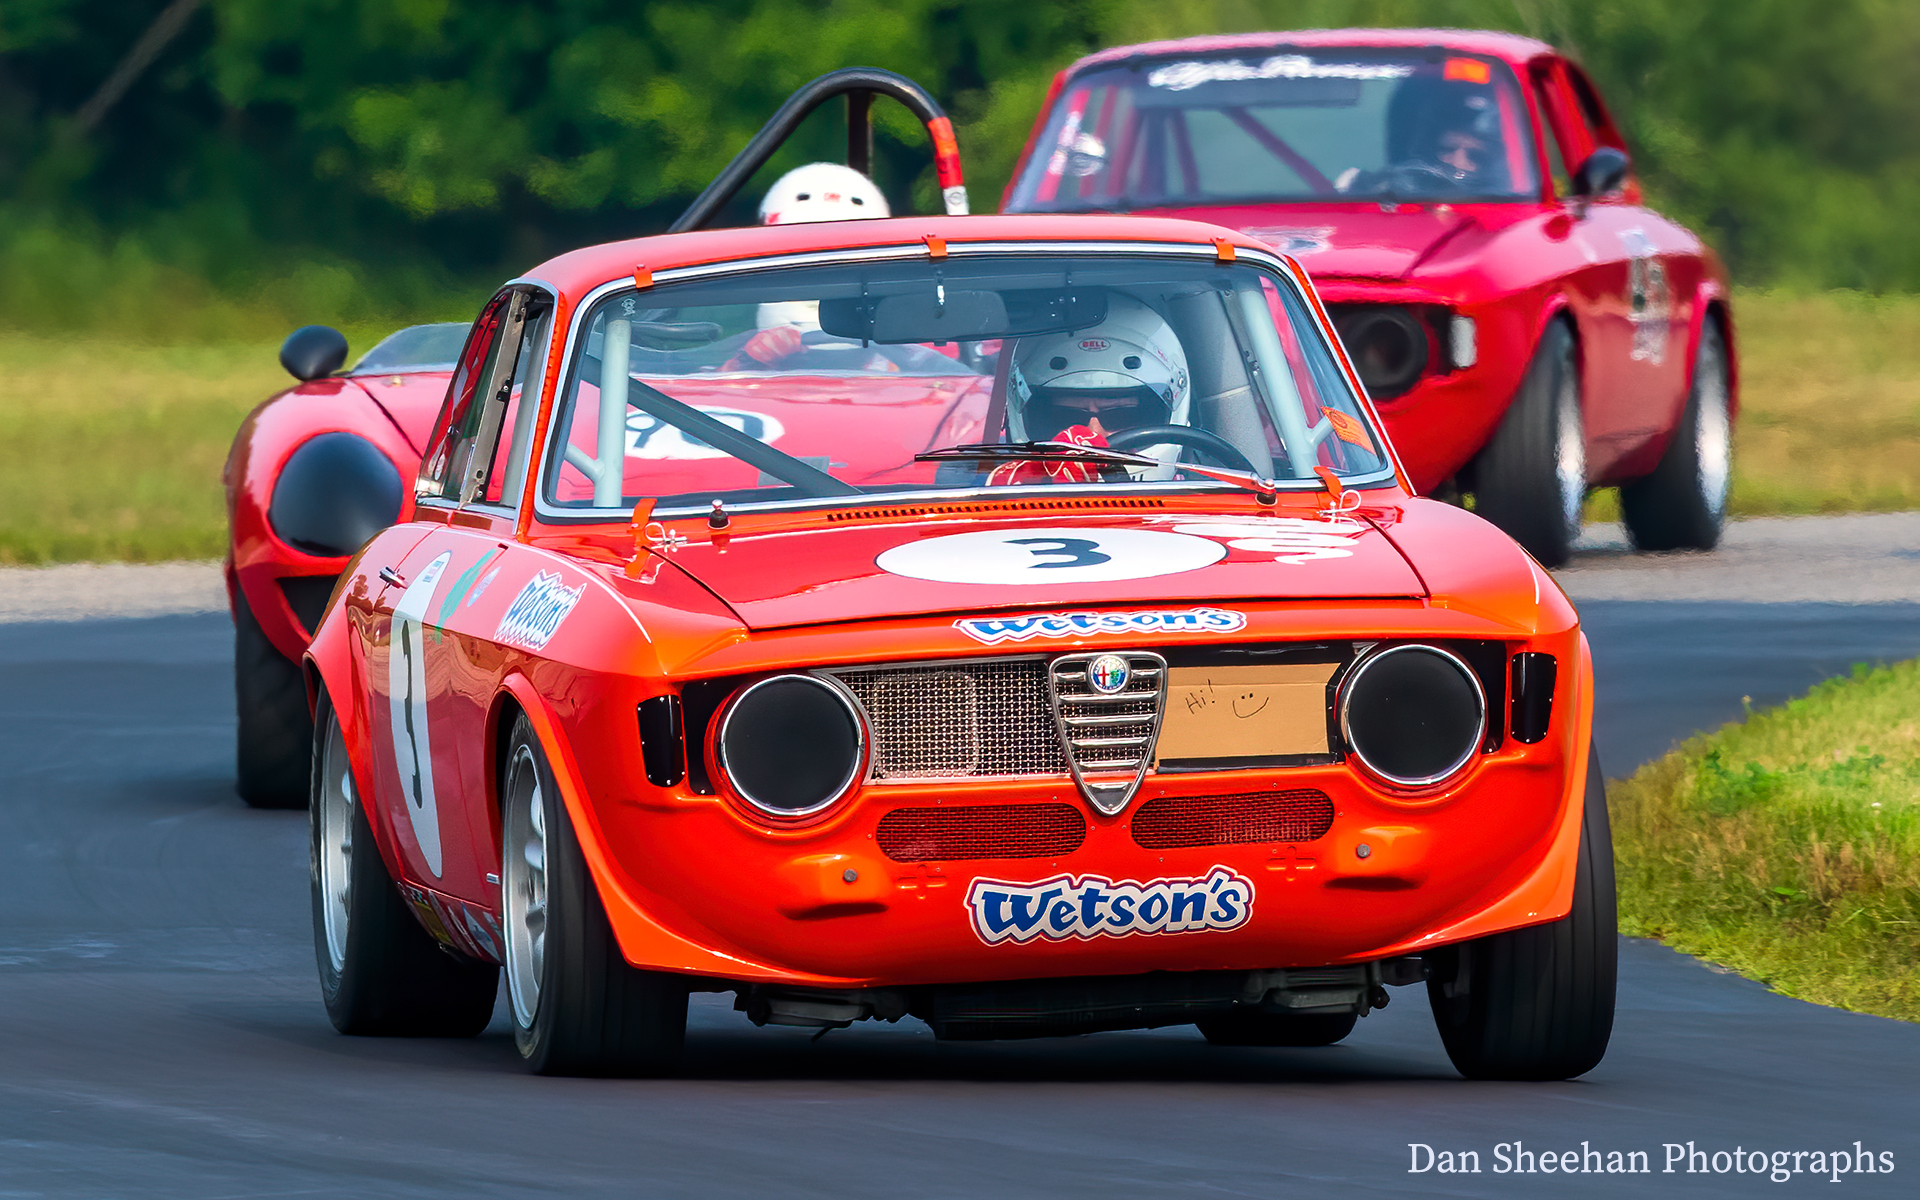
(859, 85)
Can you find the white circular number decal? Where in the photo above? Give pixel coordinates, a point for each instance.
(1050, 556)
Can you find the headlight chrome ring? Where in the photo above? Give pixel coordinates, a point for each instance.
(1413, 715)
(791, 745)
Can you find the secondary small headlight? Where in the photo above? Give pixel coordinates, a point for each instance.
(792, 745)
(1413, 715)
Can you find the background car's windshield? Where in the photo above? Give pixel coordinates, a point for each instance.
(1288, 125)
(416, 348)
(827, 381)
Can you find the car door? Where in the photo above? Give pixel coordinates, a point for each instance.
(434, 685)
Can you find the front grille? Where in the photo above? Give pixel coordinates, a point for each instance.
(1109, 733)
(959, 720)
(1171, 822)
(981, 831)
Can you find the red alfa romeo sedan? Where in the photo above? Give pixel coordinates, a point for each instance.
(1527, 326)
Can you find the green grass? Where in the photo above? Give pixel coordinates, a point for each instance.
(1787, 846)
(111, 446)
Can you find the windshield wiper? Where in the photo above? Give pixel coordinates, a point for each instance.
(1266, 489)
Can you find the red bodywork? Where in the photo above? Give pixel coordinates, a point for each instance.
(699, 884)
(394, 412)
(1512, 267)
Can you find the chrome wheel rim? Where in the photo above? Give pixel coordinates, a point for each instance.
(1712, 433)
(335, 846)
(523, 871)
(1569, 453)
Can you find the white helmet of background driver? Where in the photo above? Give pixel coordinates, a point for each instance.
(822, 192)
(1131, 356)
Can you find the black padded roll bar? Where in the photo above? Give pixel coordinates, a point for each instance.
(858, 85)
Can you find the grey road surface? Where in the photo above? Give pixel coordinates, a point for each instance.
(164, 1037)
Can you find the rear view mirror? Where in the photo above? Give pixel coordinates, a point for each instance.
(312, 351)
(1604, 171)
(942, 314)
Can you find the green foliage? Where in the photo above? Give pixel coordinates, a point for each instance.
(425, 147)
(1788, 846)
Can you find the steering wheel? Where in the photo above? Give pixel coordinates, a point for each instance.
(1416, 177)
(1219, 449)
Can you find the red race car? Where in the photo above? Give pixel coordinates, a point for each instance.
(313, 473)
(1018, 623)
(1528, 328)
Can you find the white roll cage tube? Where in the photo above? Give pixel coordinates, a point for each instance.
(608, 468)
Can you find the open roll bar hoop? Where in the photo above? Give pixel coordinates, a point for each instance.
(859, 85)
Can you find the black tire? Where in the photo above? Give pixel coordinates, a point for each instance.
(588, 1012)
(1682, 505)
(391, 979)
(1537, 1003)
(276, 730)
(1530, 478)
(1277, 1029)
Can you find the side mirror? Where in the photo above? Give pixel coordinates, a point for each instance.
(1604, 171)
(312, 351)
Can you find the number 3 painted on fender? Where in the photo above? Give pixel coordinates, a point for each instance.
(407, 705)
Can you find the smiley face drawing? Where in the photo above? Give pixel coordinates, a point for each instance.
(1242, 702)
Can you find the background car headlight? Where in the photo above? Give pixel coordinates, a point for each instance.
(1413, 715)
(335, 492)
(792, 745)
(1388, 345)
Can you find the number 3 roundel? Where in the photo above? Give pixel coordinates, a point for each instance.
(1050, 556)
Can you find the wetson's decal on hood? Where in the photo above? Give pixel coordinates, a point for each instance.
(992, 630)
(1090, 906)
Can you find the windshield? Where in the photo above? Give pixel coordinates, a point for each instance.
(415, 348)
(1326, 124)
(826, 382)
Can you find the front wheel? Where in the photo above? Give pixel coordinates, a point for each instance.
(1537, 1003)
(1682, 505)
(380, 973)
(275, 729)
(1530, 478)
(578, 1007)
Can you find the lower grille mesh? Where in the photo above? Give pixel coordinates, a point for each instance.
(981, 831)
(1170, 822)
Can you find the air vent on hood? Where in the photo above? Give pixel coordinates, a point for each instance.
(989, 506)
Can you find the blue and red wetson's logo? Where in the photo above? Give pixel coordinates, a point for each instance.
(1091, 906)
(1078, 624)
(1108, 674)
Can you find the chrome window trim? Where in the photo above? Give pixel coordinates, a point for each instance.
(1473, 751)
(1276, 264)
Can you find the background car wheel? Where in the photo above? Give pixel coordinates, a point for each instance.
(1277, 1029)
(380, 972)
(1537, 1003)
(276, 731)
(1531, 477)
(578, 1007)
(1683, 504)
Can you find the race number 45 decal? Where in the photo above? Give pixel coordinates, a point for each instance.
(1090, 906)
(407, 692)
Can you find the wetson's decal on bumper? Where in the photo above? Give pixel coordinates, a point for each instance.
(1090, 906)
(1079, 624)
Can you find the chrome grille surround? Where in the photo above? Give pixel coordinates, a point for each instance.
(974, 718)
(1108, 736)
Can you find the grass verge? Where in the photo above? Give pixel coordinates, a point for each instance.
(1787, 846)
(111, 448)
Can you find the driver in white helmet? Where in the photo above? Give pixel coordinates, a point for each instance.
(819, 191)
(1128, 372)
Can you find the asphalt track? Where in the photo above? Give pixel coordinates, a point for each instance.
(164, 1037)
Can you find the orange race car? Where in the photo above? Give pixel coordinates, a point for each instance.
(1017, 623)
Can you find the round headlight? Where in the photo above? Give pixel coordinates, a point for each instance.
(792, 745)
(1413, 715)
(1388, 347)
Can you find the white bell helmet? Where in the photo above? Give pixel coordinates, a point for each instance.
(1132, 357)
(822, 191)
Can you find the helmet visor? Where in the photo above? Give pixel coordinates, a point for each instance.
(1054, 409)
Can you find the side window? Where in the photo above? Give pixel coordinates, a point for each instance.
(1573, 139)
(508, 478)
(482, 400)
(468, 370)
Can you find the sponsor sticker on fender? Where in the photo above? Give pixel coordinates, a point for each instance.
(1091, 906)
(535, 614)
(992, 630)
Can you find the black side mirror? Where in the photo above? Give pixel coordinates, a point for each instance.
(1604, 171)
(312, 351)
